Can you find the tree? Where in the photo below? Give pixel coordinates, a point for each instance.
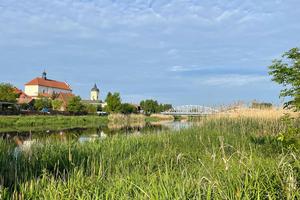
(286, 72)
(149, 106)
(127, 108)
(165, 107)
(56, 104)
(41, 103)
(7, 93)
(75, 106)
(114, 104)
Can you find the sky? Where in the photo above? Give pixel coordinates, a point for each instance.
(204, 52)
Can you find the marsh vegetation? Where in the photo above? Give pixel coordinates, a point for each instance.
(218, 158)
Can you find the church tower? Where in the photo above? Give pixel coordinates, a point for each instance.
(44, 75)
(95, 93)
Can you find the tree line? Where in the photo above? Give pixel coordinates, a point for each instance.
(75, 105)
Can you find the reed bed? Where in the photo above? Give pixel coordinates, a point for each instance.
(221, 158)
(119, 121)
(272, 113)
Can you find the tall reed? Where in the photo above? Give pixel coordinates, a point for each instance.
(220, 158)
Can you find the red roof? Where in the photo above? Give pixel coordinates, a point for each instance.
(17, 90)
(65, 97)
(49, 83)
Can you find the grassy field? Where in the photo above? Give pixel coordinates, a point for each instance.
(220, 158)
(12, 123)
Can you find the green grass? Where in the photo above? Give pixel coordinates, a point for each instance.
(13, 123)
(219, 159)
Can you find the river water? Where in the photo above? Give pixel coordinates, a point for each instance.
(81, 135)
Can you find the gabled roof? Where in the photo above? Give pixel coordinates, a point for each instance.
(17, 91)
(65, 97)
(49, 83)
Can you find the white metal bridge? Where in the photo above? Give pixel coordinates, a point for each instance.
(191, 110)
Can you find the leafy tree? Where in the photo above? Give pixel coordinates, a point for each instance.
(75, 106)
(7, 93)
(114, 104)
(56, 104)
(149, 106)
(286, 72)
(127, 108)
(41, 103)
(165, 107)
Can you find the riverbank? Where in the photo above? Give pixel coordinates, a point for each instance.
(8, 123)
(58, 122)
(220, 158)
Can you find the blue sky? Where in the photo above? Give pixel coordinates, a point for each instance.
(177, 51)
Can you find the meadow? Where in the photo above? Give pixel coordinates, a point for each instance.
(45, 122)
(219, 158)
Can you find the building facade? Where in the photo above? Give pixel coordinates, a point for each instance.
(42, 86)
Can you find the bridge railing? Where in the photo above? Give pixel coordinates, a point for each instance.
(191, 110)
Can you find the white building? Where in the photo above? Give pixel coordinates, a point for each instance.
(41, 86)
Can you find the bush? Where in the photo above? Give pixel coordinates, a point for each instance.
(290, 135)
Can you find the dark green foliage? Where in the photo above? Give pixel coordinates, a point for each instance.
(99, 108)
(286, 72)
(151, 106)
(114, 104)
(127, 108)
(290, 135)
(41, 103)
(165, 107)
(75, 106)
(7, 93)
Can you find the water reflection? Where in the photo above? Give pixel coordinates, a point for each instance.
(24, 140)
(23, 146)
(92, 138)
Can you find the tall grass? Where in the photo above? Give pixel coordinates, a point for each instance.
(221, 158)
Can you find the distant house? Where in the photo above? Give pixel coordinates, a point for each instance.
(65, 98)
(42, 86)
(22, 97)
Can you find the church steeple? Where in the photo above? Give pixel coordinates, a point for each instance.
(44, 75)
(95, 93)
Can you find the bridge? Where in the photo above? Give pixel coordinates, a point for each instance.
(191, 110)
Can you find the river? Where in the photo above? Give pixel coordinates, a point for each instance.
(81, 135)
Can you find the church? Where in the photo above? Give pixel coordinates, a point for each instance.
(94, 98)
(42, 86)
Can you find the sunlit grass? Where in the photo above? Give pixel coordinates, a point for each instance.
(224, 158)
(44, 122)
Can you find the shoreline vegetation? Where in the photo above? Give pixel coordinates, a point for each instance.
(57, 122)
(218, 158)
(114, 121)
(44, 122)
